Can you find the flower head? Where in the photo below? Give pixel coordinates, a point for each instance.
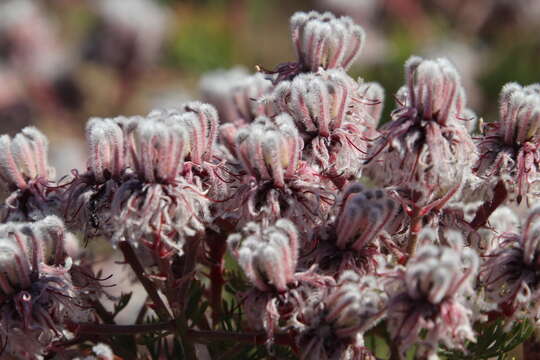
(323, 40)
(270, 150)
(509, 147)
(333, 319)
(426, 152)
(430, 296)
(37, 298)
(238, 96)
(269, 255)
(511, 273)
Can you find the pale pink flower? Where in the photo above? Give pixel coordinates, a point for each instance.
(509, 147)
(425, 151)
(430, 296)
(332, 320)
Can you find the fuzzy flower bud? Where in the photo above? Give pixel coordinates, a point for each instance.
(270, 150)
(509, 148)
(429, 296)
(107, 148)
(333, 319)
(511, 273)
(322, 40)
(268, 255)
(23, 159)
(238, 96)
(362, 217)
(37, 300)
(426, 146)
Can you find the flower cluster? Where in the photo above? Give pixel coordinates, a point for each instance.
(341, 232)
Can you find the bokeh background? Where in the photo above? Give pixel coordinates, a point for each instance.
(63, 61)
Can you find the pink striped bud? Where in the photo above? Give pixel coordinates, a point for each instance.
(23, 159)
(268, 255)
(323, 40)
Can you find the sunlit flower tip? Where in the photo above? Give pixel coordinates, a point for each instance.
(519, 112)
(24, 159)
(363, 215)
(106, 145)
(161, 150)
(322, 40)
(434, 90)
(270, 149)
(268, 255)
(371, 101)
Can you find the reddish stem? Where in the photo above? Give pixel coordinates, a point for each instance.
(199, 336)
(217, 247)
(414, 230)
(132, 259)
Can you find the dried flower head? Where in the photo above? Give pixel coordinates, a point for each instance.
(332, 321)
(427, 300)
(509, 147)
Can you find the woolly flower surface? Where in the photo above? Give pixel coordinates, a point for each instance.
(430, 296)
(509, 149)
(331, 322)
(38, 301)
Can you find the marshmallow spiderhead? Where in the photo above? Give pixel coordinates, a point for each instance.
(323, 40)
(431, 295)
(26, 177)
(239, 97)
(332, 320)
(268, 255)
(509, 148)
(270, 150)
(38, 300)
(353, 240)
(425, 151)
(272, 181)
(511, 271)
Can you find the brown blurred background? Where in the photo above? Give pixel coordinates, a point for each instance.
(63, 61)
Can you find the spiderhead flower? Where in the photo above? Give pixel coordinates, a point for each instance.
(510, 273)
(238, 96)
(323, 40)
(425, 151)
(509, 147)
(157, 205)
(25, 175)
(352, 240)
(38, 301)
(330, 112)
(23, 159)
(268, 256)
(273, 181)
(332, 320)
(427, 303)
